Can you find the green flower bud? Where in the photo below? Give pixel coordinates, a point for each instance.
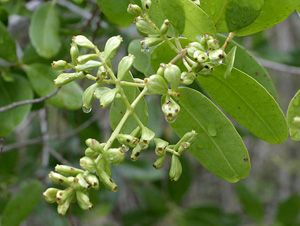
(175, 169)
(65, 78)
(160, 146)
(183, 147)
(159, 161)
(207, 69)
(147, 5)
(191, 51)
(146, 137)
(114, 156)
(107, 181)
(213, 44)
(67, 170)
(128, 140)
(196, 67)
(91, 153)
(87, 164)
(134, 10)
(50, 195)
(197, 46)
(170, 109)
(83, 200)
(63, 195)
(150, 41)
(161, 69)
(172, 75)
(156, 85)
(200, 56)
(57, 178)
(101, 73)
(143, 26)
(74, 52)
(189, 137)
(100, 91)
(81, 181)
(60, 65)
(95, 145)
(124, 66)
(83, 41)
(187, 78)
(217, 56)
(87, 98)
(63, 208)
(92, 180)
(88, 66)
(136, 152)
(103, 165)
(107, 98)
(111, 46)
(164, 27)
(85, 58)
(125, 148)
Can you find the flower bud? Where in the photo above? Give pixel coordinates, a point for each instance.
(85, 58)
(125, 148)
(175, 169)
(67, 170)
(50, 195)
(136, 152)
(161, 69)
(187, 78)
(74, 52)
(213, 44)
(65, 78)
(83, 200)
(57, 178)
(107, 181)
(143, 26)
(124, 66)
(101, 73)
(191, 51)
(207, 69)
(134, 10)
(146, 137)
(60, 65)
(87, 164)
(103, 165)
(114, 156)
(183, 147)
(160, 146)
(196, 67)
(63, 208)
(147, 5)
(88, 66)
(197, 46)
(159, 161)
(217, 55)
(170, 109)
(92, 180)
(91, 153)
(111, 46)
(107, 98)
(156, 85)
(87, 98)
(83, 41)
(172, 75)
(164, 27)
(95, 145)
(81, 181)
(150, 41)
(63, 195)
(128, 140)
(200, 56)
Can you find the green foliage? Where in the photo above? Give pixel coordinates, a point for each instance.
(293, 117)
(7, 45)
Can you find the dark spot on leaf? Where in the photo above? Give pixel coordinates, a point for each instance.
(246, 160)
(256, 73)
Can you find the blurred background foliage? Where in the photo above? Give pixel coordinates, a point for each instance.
(39, 136)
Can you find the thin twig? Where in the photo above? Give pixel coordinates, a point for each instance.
(279, 67)
(59, 157)
(1, 144)
(228, 40)
(178, 56)
(24, 102)
(88, 23)
(45, 137)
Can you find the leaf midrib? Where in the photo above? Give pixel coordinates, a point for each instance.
(221, 13)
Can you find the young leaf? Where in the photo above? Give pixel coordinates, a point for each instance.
(246, 62)
(272, 13)
(292, 114)
(230, 61)
(7, 45)
(118, 109)
(247, 102)
(22, 204)
(15, 91)
(232, 15)
(44, 30)
(218, 146)
(42, 78)
(189, 19)
(251, 203)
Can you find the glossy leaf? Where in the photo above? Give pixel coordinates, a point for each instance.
(232, 15)
(218, 146)
(116, 11)
(247, 63)
(251, 203)
(44, 30)
(189, 19)
(7, 45)
(41, 78)
(13, 92)
(118, 108)
(142, 59)
(294, 111)
(247, 102)
(273, 12)
(22, 204)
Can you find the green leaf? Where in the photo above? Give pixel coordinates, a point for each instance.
(288, 211)
(41, 78)
(218, 146)
(246, 62)
(230, 61)
(189, 19)
(247, 102)
(294, 111)
(7, 45)
(273, 12)
(13, 92)
(118, 108)
(142, 59)
(232, 15)
(44, 30)
(3, 16)
(251, 203)
(116, 11)
(22, 204)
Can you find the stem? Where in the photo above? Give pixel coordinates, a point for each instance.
(172, 151)
(177, 42)
(124, 83)
(228, 40)
(180, 55)
(91, 77)
(186, 65)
